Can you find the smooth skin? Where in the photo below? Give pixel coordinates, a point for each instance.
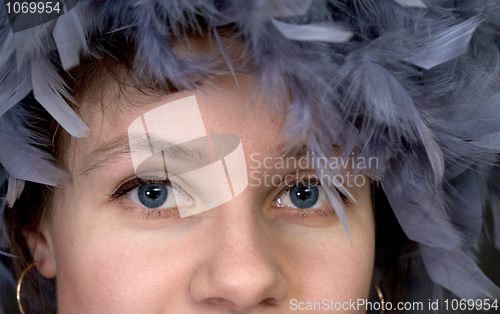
(247, 255)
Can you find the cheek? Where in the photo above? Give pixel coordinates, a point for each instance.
(123, 275)
(332, 270)
(328, 266)
(103, 269)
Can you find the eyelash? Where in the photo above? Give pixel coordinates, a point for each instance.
(307, 212)
(314, 181)
(136, 182)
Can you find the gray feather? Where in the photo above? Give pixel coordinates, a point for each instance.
(70, 39)
(326, 180)
(421, 212)
(331, 184)
(454, 270)
(20, 157)
(480, 120)
(392, 105)
(284, 8)
(16, 86)
(449, 44)
(490, 141)
(34, 42)
(434, 153)
(412, 3)
(14, 191)
(48, 88)
(226, 56)
(324, 32)
(464, 200)
(8, 48)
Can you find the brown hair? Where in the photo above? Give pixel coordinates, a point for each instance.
(394, 251)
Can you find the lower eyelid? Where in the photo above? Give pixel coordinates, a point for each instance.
(326, 212)
(146, 213)
(322, 217)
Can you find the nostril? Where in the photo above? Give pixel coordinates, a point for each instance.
(220, 303)
(271, 301)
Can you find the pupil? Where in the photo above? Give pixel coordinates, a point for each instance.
(304, 196)
(153, 195)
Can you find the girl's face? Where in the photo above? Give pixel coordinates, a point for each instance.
(115, 247)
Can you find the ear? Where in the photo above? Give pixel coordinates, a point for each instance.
(41, 248)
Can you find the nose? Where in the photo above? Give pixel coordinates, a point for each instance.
(239, 272)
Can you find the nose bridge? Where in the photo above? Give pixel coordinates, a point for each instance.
(240, 271)
(242, 242)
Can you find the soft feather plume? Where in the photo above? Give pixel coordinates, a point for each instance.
(16, 86)
(34, 42)
(153, 34)
(489, 141)
(325, 32)
(420, 211)
(14, 191)
(8, 48)
(446, 45)
(464, 201)
(391, 104)
(412, 3)
(284, 8)
(481, 120)
(48, 88)
(70, 39)
(331, 184)
(455, 271)
(20, 157)
(226, 56)
(433, 151)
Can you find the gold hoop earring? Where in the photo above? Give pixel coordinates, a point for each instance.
(20, 282)
(380, 296)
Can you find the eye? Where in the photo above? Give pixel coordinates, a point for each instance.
(159, 195)
(154, 194)
(303, 196)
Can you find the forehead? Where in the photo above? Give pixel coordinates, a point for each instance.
(224, 108)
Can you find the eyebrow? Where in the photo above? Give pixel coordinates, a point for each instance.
(119, 146)
(282, 151)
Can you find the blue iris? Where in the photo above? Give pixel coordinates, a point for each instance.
(304, 196)
(153, 195)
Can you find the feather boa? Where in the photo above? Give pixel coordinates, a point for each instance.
(414, 83)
